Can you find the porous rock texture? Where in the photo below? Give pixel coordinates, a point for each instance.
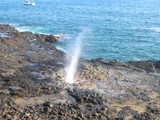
(32, 83)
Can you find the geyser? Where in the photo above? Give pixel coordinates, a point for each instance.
(71, 68)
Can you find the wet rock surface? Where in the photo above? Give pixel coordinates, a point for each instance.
(32, 87)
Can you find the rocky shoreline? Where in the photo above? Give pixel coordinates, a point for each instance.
(32, 83)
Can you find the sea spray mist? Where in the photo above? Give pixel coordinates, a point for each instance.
(72, 66)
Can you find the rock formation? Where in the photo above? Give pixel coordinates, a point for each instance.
(32, 86)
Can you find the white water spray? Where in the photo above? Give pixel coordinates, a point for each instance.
(71, 69)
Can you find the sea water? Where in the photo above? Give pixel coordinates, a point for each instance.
(121, 29)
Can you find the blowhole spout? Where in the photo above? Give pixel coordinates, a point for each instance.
(71, 68)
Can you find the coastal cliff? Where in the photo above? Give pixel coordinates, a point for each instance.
(32, 86)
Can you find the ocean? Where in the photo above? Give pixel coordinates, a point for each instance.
(126, 30)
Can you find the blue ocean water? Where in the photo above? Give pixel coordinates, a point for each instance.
(118, 29)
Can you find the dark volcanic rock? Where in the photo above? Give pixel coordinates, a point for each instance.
(48, 38)
(88, 97)
(32, 87)
(150, 66)
(7, 29)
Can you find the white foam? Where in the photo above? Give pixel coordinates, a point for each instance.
(34, 29)
(24, 29)
(155, 29)
(61, 49)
